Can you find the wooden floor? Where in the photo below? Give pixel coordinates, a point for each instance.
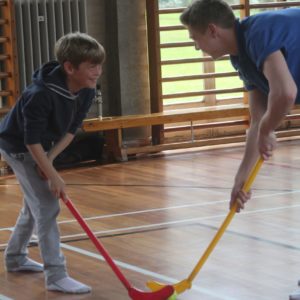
(157, 215)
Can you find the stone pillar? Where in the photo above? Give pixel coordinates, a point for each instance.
(120, 25)
(134, 69)
(96, 27)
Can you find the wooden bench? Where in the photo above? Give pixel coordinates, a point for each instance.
(112, 126)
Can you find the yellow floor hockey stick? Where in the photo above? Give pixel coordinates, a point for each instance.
(185, 284)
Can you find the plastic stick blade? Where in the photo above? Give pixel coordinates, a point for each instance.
(182, 286)
(162, 294)
(179, 287)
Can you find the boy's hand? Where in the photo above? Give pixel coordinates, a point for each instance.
(57, 185)
(239, 196)
(266, 144)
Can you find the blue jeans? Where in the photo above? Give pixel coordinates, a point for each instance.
(40, 209)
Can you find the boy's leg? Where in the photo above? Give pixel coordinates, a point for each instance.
(16, 251)
(44, 208)
(45, 214)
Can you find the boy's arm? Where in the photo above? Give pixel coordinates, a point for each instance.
(56, 183)
(267, 112)
(257, 107)
(282, 95)
(60, 146)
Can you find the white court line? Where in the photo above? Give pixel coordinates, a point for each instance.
(119, 230)
(187, 221)
(183, 221)
(7, 229)
(146, 211)
(146, 272)
(172, 207)
(157, 225)
(2, 297)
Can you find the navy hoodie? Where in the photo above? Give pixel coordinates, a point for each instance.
(45, 112)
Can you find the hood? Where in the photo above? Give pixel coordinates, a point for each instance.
(52, 76)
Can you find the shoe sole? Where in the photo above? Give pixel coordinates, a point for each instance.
(25, 269)
(60, 290)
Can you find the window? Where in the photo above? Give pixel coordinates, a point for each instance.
(187, 77)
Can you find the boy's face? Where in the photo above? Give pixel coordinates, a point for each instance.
(84, 76)
(208, 41)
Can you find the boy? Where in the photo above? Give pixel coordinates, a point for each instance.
(264, 48)
(39, 127)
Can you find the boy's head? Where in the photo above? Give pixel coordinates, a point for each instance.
(211, 26)
(203, 12)
(81, 58)
(77, 48)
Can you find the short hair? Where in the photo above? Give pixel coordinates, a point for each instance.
(203, 12)
(79, 47)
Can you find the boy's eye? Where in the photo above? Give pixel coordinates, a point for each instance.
(93, 66)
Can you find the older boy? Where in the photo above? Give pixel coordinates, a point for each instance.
(264, 48)
(39, 127)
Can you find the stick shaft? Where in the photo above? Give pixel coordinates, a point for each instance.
(97, 243)
(225, 223)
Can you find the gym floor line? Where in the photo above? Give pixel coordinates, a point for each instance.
(166, 225)
(2, 297)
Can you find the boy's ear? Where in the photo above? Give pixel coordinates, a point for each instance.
(213, 30)
(68, 67)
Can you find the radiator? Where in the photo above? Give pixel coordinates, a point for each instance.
(39, 23)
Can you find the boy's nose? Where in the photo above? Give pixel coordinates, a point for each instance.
(98, 70)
